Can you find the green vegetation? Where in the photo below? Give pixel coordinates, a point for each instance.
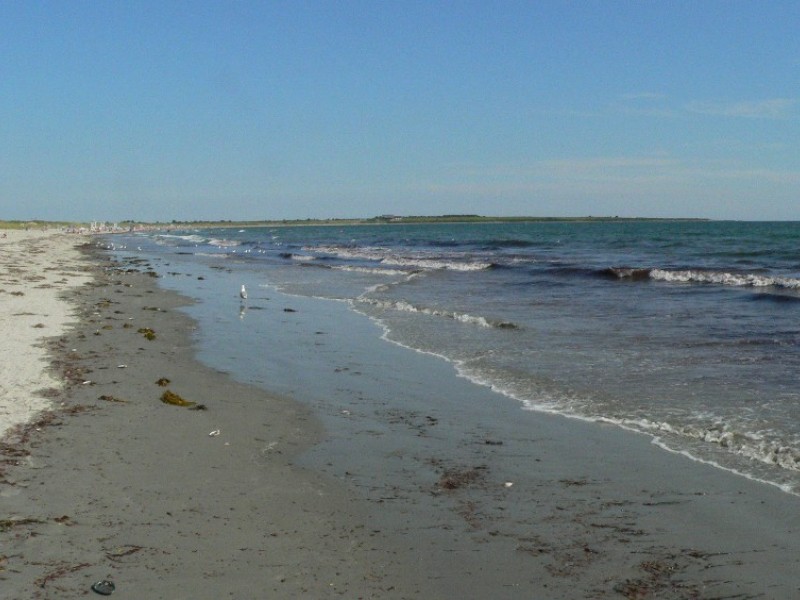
(36, 224)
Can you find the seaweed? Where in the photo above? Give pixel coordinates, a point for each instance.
(123, 551)
(454, 479)
(110, 398)
(148, 333)
(60, 572)
(169, 397)
(6, 524)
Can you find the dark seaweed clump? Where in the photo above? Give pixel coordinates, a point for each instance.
(169, 397)
(148, 333)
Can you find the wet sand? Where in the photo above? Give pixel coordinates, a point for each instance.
(411, 488)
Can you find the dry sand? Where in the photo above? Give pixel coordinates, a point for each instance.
(397, 501)
(36, 268)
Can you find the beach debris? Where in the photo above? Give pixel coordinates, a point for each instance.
(122, 552)
(87, 382)
(169, 397)
(508, 484)
(163, 382)
(148, 333)
(453, 479)
(6, 524)
(110, 398)
(493, 442)
(104, 588)
(574, 482)
(214, 433)
(289, 310)
(122, 366)
(58, 573)
(243, 293)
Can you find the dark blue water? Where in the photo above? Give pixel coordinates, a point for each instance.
(688, 331)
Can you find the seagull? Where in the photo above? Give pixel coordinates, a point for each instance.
(243, 293)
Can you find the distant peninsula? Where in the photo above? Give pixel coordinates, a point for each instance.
(130, 225)
(399, 219)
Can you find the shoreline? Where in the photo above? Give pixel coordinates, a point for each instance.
(356, 491)
(113, 483)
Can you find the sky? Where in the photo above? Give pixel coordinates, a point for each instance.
(239, 110)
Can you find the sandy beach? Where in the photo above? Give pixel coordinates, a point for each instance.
(36, 268)
(375, 491)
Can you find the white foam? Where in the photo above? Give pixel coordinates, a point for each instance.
(388, 257)
(724, 278)
(369, 271)
(223, 243)
(403, 306)
(437, 264)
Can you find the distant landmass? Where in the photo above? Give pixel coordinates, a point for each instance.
(400, 219)
(128, 225)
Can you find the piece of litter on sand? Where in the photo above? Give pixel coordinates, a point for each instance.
(122, 366)
(214, 433)
(508, 484)
(104, 588)
(87, 382)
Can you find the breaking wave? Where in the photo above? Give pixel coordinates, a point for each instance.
(754, 446)
(703, 276)
(403, 306)
(386, 256)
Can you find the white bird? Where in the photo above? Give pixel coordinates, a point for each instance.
(243, 293)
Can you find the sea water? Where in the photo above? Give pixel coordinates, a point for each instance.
(686, 331)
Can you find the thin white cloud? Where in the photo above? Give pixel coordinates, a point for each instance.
(647, 175)
(607, 162)
(774, 108)
(645, 104)
(637, 96)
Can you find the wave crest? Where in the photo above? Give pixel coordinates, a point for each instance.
(750, 445)
(403, 306)
(727, 278)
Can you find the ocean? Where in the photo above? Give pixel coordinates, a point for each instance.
(688, 332)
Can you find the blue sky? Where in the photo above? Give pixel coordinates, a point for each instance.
(279, 110)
